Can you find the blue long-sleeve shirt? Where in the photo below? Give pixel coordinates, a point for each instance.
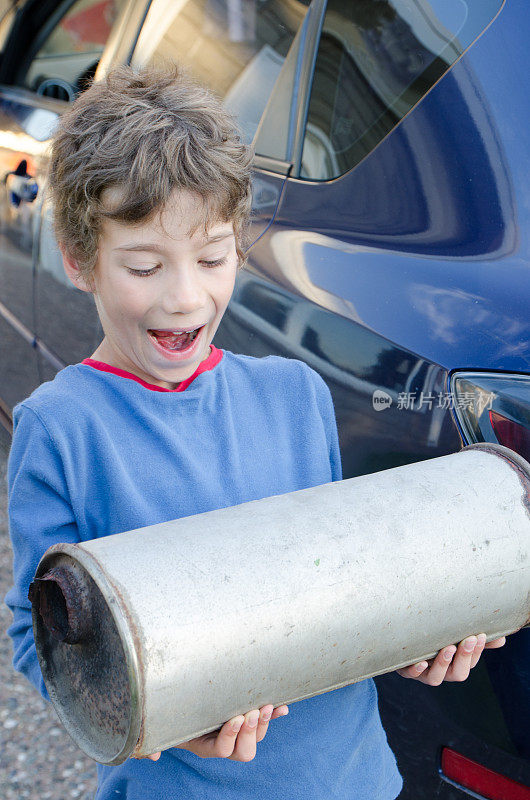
(96, 453)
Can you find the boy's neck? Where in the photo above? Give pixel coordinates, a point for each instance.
(106, 354)
(207, 364)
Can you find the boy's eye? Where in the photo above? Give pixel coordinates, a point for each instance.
(145, 272)
(217, 263)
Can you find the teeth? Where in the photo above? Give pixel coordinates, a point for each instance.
(174, 340)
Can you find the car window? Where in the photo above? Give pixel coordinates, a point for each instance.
(66, 52)
(376, 60)
(234, 47)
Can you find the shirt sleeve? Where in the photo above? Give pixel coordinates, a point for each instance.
(327, 412)
(40, 515)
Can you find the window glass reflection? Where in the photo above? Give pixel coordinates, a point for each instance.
(234, 47)
(376, 60)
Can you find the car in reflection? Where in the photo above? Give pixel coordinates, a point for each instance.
(390, 251)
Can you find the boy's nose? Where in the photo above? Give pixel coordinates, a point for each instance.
(183, 293)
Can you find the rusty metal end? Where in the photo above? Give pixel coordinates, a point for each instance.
(62, 601)
(513, 459)
(85, 653)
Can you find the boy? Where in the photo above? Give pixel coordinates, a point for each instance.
(151, 192)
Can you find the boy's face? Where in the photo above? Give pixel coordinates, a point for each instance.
(160, 294)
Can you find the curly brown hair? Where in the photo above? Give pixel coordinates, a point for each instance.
(147, 132)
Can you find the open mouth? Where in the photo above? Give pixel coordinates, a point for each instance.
(175, 341)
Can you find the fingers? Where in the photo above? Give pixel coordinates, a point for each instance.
(452, 663)
(461, 664)
(431, 672)
(237, 739)
(252, 729)
(265, 715)
(245, 746)
(439, 666)
(280, 711)
(224, 743)
(496, 643)
(152, 757)
(479, 648)
(414, 671)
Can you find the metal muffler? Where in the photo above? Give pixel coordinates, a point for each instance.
(155, 636)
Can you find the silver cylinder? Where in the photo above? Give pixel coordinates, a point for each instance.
(155, 636)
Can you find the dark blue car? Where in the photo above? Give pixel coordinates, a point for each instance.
(390, 251)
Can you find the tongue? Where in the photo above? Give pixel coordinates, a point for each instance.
(173, 341)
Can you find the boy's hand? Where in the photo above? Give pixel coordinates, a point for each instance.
(452, 663)
(237, 739)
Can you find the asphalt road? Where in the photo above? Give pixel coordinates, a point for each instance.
(37, 757)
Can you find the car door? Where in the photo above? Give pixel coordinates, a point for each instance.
(51, 52)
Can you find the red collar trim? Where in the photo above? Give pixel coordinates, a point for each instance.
(208, 364)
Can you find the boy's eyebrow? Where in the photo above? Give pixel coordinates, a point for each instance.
(145, 246)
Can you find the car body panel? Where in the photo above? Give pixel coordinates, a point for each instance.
(427, 237)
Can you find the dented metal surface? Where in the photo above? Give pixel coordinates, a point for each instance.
(273, 601)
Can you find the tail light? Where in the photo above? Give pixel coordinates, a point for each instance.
(493, 407)
(479, 779)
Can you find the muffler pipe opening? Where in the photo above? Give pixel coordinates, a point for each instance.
(59, 599)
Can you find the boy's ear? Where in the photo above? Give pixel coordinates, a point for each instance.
(73, 272)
